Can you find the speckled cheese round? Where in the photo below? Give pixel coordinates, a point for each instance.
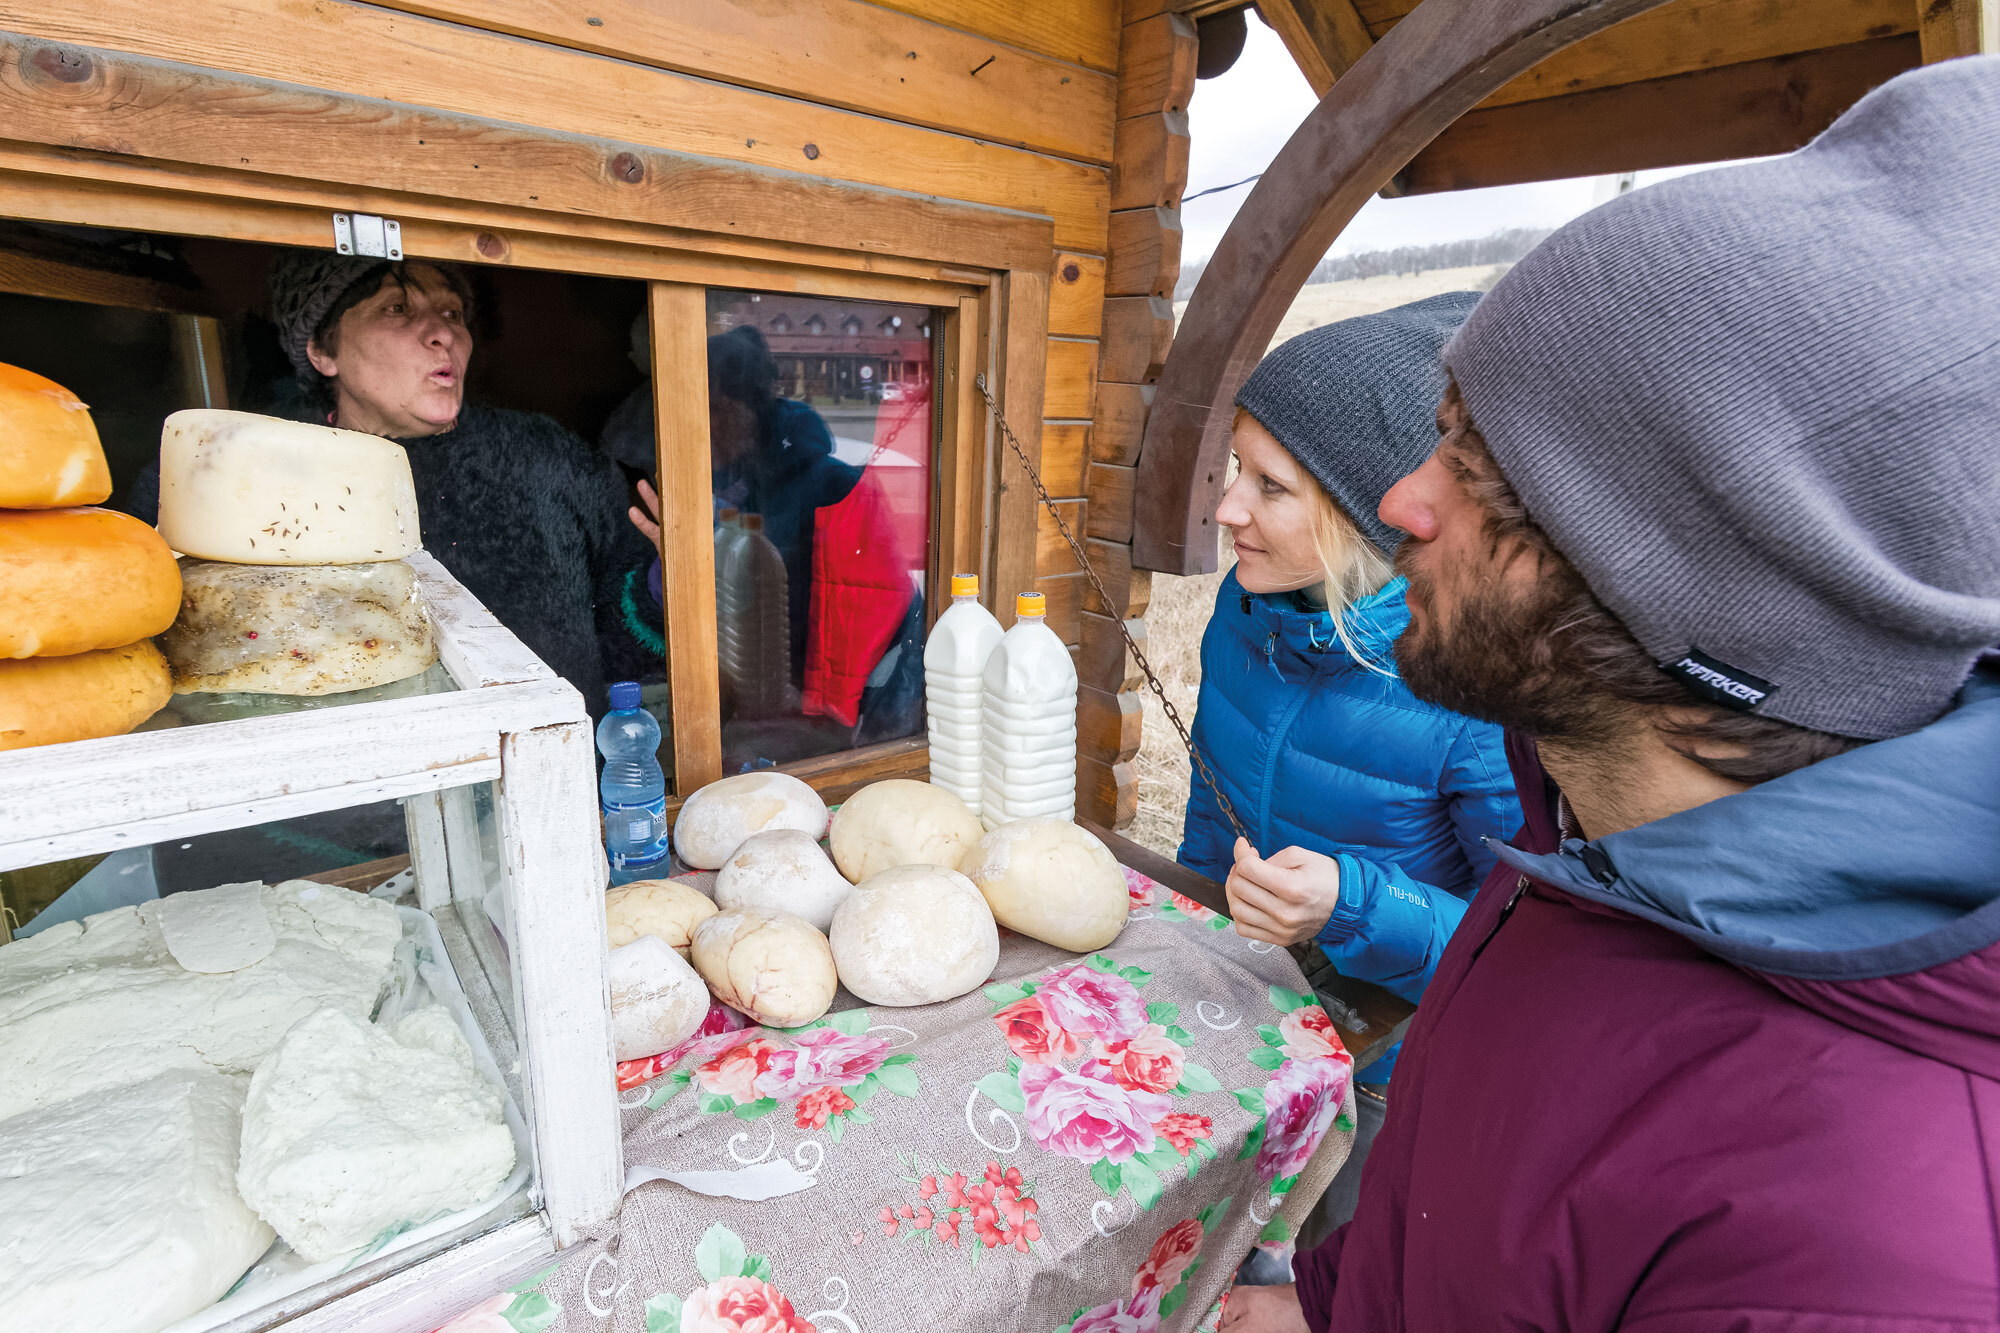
(657, 1000)
(786, 871)
(772, 966)
(665, 908)
(914, 935)
(901, 823)
(1051, 881)
(715, 820)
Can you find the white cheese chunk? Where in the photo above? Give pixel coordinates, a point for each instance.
(223, 929)
(297, 629)
(258, 491)
(96, 1003)
(657, 1000)
(349, 1132)
(119, 1211)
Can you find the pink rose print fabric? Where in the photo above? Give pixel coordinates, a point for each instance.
(1306, 1095)
(820, 1073)
(736, 1295)
(1160, 1287)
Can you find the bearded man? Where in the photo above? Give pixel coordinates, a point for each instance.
(1714, 530)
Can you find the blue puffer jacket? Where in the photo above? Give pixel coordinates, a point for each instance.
(1316, 751)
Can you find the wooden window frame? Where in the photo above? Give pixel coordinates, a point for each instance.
(990, 321)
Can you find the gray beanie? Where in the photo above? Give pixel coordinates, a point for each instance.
(1356, 402)
(1759, 410)
(305, 285)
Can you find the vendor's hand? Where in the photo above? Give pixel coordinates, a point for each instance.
(648, 522)
(1263, 1310)
(1285, 899)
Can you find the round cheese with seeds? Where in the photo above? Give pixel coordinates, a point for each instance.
(665, 908)
(49, 452)
(47, 700)
(76, 580)
(255, 490)
(784, 870)
(1051, 881)
(914, 934)
(715, 820)
(772, 966)
(900, 823)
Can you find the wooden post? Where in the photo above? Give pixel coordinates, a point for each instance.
(1949, 28)
(678, 313)
(1023, 360)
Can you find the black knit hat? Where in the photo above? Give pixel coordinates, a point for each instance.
(1356, 402)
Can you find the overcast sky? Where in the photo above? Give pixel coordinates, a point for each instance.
(1240, 120)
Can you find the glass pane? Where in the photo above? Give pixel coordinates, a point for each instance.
(822, 427)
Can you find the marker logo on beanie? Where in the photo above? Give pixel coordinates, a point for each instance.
(1720, 683)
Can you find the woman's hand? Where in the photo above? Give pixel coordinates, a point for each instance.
(1285, 899)
(1263, 1310)
(648, 522)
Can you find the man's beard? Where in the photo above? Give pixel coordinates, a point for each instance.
(1501, 660)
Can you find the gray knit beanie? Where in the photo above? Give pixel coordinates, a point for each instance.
(1356, 402)
(305, 285)
(1759, 409)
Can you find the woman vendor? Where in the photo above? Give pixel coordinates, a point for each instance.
(1366, 809)
(521, 511)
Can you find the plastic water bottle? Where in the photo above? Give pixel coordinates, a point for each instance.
(632, 790)
(1028, 722)
(954, 680)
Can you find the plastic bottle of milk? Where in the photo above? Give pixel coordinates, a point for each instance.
(954, 682)
(1028, 722)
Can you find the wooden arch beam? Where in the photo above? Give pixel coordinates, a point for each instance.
(1433, 67)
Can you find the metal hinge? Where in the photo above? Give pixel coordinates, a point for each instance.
(366, 234)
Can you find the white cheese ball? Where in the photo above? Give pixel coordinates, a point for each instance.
(665, 908)
(785, 871)
(901, 823)
(657, 1000)
(1051, 881)
(771, 965)
(716, 819)
(914, 935)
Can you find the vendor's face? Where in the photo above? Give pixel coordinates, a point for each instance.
(398, 362)
(1269, 511)
(732, 430)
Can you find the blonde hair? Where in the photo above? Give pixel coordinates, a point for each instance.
(1352, 567)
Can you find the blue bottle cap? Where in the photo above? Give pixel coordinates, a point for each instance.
(624, 695)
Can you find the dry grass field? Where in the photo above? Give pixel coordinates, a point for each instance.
(1180, 607)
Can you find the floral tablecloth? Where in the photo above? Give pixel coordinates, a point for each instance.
(1087, 1145)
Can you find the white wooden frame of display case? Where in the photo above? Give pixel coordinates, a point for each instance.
(510, 721)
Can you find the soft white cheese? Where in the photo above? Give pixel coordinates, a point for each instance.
(119, 1211)
(93, 1004)
(223, 929)
(255, 490)
(348, 1131)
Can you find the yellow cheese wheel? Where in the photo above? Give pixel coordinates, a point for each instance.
(76, 580)
(45, 700)
(49, 453)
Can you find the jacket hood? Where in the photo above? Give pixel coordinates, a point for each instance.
(1373, 622)
(1866, 886)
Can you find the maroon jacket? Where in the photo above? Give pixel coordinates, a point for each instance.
(1733, 1070)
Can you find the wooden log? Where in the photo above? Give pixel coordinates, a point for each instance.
(1149, 162)
(964, 462)
(1053, 557)
(1156, 60)
(1690, 35)
(1107, 725)
(678, 329)
(1106, 794)
(1065, 609)
(1110, 495)
(1138, 330)
(1145, 257)
(1065, 457)
(1084, 31)
(75, 97)
(1952, 28)
(1324, 37)
(1120, 423)
(1076, 297)
(1130, 588)
(842, 53)
(1072, 380)
(373, 53)
(1104, 662)
(1748, 110)
(1430, 70)
(1024, 360)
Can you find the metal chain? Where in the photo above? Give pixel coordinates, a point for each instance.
(1097, 584)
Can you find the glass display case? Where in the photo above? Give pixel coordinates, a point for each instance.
(489, 767)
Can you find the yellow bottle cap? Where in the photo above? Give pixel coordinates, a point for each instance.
(1031, 604)
(965, 585)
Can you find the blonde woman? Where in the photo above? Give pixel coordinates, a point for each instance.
(1366, 808)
